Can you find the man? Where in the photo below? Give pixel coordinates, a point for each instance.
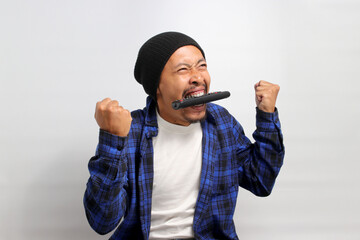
(174, 174)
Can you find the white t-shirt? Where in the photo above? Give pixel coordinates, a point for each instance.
(177, 169)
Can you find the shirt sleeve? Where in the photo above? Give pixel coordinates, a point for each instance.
(260, 162)
(105, 196)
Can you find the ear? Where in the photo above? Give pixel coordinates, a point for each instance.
(158, 93)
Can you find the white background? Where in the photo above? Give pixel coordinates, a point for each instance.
(58, 58)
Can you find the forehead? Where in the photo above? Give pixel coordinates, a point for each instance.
(186, 54)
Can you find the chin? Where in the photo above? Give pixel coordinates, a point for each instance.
(194, 118)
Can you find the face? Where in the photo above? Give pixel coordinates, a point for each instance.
(185, 74)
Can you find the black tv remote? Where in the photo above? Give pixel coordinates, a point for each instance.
(183, 103)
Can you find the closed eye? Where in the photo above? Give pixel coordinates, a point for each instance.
(203, 66)
(182, 69)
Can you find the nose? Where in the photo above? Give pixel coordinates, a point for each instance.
(196, 77)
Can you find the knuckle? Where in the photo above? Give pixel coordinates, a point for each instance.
(108, 106)
(101, 107)
(275, 88)
(114, 109)
(106, 100)
(124, 112)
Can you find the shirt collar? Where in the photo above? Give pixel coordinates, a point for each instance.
(210, 113)
(150, 118)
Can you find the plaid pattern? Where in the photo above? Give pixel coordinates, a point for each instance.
(121, 173)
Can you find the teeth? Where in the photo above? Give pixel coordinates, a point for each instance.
(197, 94)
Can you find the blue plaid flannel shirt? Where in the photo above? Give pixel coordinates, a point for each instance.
(121, 173)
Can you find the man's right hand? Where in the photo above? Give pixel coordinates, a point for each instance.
(113, 118)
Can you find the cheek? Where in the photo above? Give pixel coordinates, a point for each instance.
(208, 80)
(177, 86)
(169, 92)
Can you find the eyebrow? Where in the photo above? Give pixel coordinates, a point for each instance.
(188, 65)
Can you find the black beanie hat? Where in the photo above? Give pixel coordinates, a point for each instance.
(153, 56)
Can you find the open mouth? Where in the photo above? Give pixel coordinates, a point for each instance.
(195, 94)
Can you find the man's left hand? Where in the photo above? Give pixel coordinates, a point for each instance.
(265, 95)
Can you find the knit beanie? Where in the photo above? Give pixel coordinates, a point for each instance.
(153, 56)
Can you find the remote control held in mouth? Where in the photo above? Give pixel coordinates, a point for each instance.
(210, 97)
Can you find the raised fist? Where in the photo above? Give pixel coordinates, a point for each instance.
(265, 95)
(113, 118)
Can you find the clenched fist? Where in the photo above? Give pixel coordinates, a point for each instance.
(113, 118)
(265, 95)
